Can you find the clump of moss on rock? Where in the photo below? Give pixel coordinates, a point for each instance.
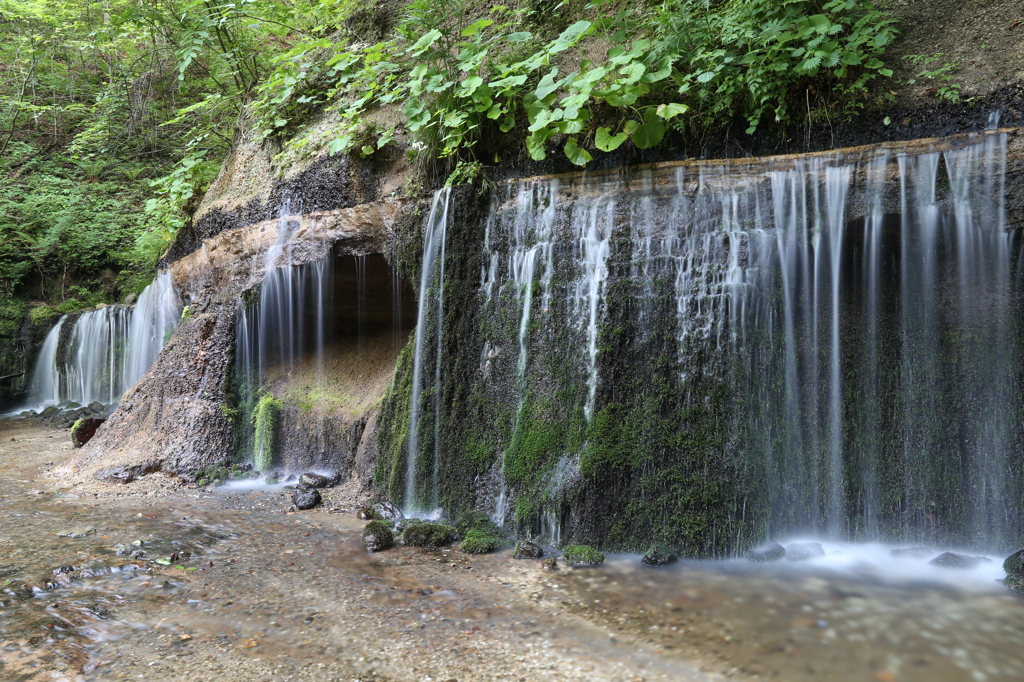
(476, 542)
(1014, 564)
(660, 555)
(581, 555)
(428, 534)
(377, 536)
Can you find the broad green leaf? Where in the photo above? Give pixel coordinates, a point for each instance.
(507, 124)
(510, 82)
(651, 132)
(667, 111)
(886, 72)
(470, 85)
(570, 36)
(476, 27)
(426, 40)
(632, 71)
(578, 155)
(705, 77)
(536, 145)
(606, 142)
(518, 37)
(547, 84)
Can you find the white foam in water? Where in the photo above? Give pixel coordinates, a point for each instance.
(873, 561)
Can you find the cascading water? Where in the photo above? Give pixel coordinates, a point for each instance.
(840, 331)
(102, 353)
(421, 475)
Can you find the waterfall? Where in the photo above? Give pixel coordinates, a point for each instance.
(420, 485)
(852, 315)
(103, 352)
(284, 324)
(44, 388)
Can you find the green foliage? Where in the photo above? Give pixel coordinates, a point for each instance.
(12, 314)
(945, 88)
(465, 71)
(581, 555)
(42, 315)
(264, 419)
(478, 542)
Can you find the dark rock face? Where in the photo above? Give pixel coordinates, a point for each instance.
(366, 514)
(802, 551)
(660, 555)
(911, 553)
(174, 414)
(528, 550)
(126, 474)
(1015, 583)
(954, 560)
(770, 552)
(1014, 564)
(377, 535)
(311, 439)
(306, 499)
(314, 481)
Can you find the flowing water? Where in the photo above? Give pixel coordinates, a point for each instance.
(97, 355)
(861, 308)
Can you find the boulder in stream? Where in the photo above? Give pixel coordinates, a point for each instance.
(84, 429)
(1014, 564)
(385, 510)
(365, 514)
(911, 553)
(1015, 583)
(528, 550)
(377, 536)
(954, 560)
(428, 534)
(803, 551)
(771, 552)
(306, 499)
(660, 555)
(581, 555)
(312, 480)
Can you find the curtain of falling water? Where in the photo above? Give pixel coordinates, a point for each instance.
(872, 361)
(286, 322)
(421, 474)
(105, 351)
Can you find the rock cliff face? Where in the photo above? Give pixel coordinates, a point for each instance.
(182, 415)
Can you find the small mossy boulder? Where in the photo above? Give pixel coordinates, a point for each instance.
(377, 536)
(1015, 583)
(581, 555)
(477, 542)
(804, 551)
(528, 550)
(1014, 564)
(954, 560)
(770, 552)
(660, 555)
(428, 534)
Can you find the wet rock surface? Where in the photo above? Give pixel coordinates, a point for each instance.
(387, 511)
(954, 560)
(126, 474)
(912, 553)
(314, 481)
(770, 552)
(804, 551)
(306, 499)
(528, 550)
